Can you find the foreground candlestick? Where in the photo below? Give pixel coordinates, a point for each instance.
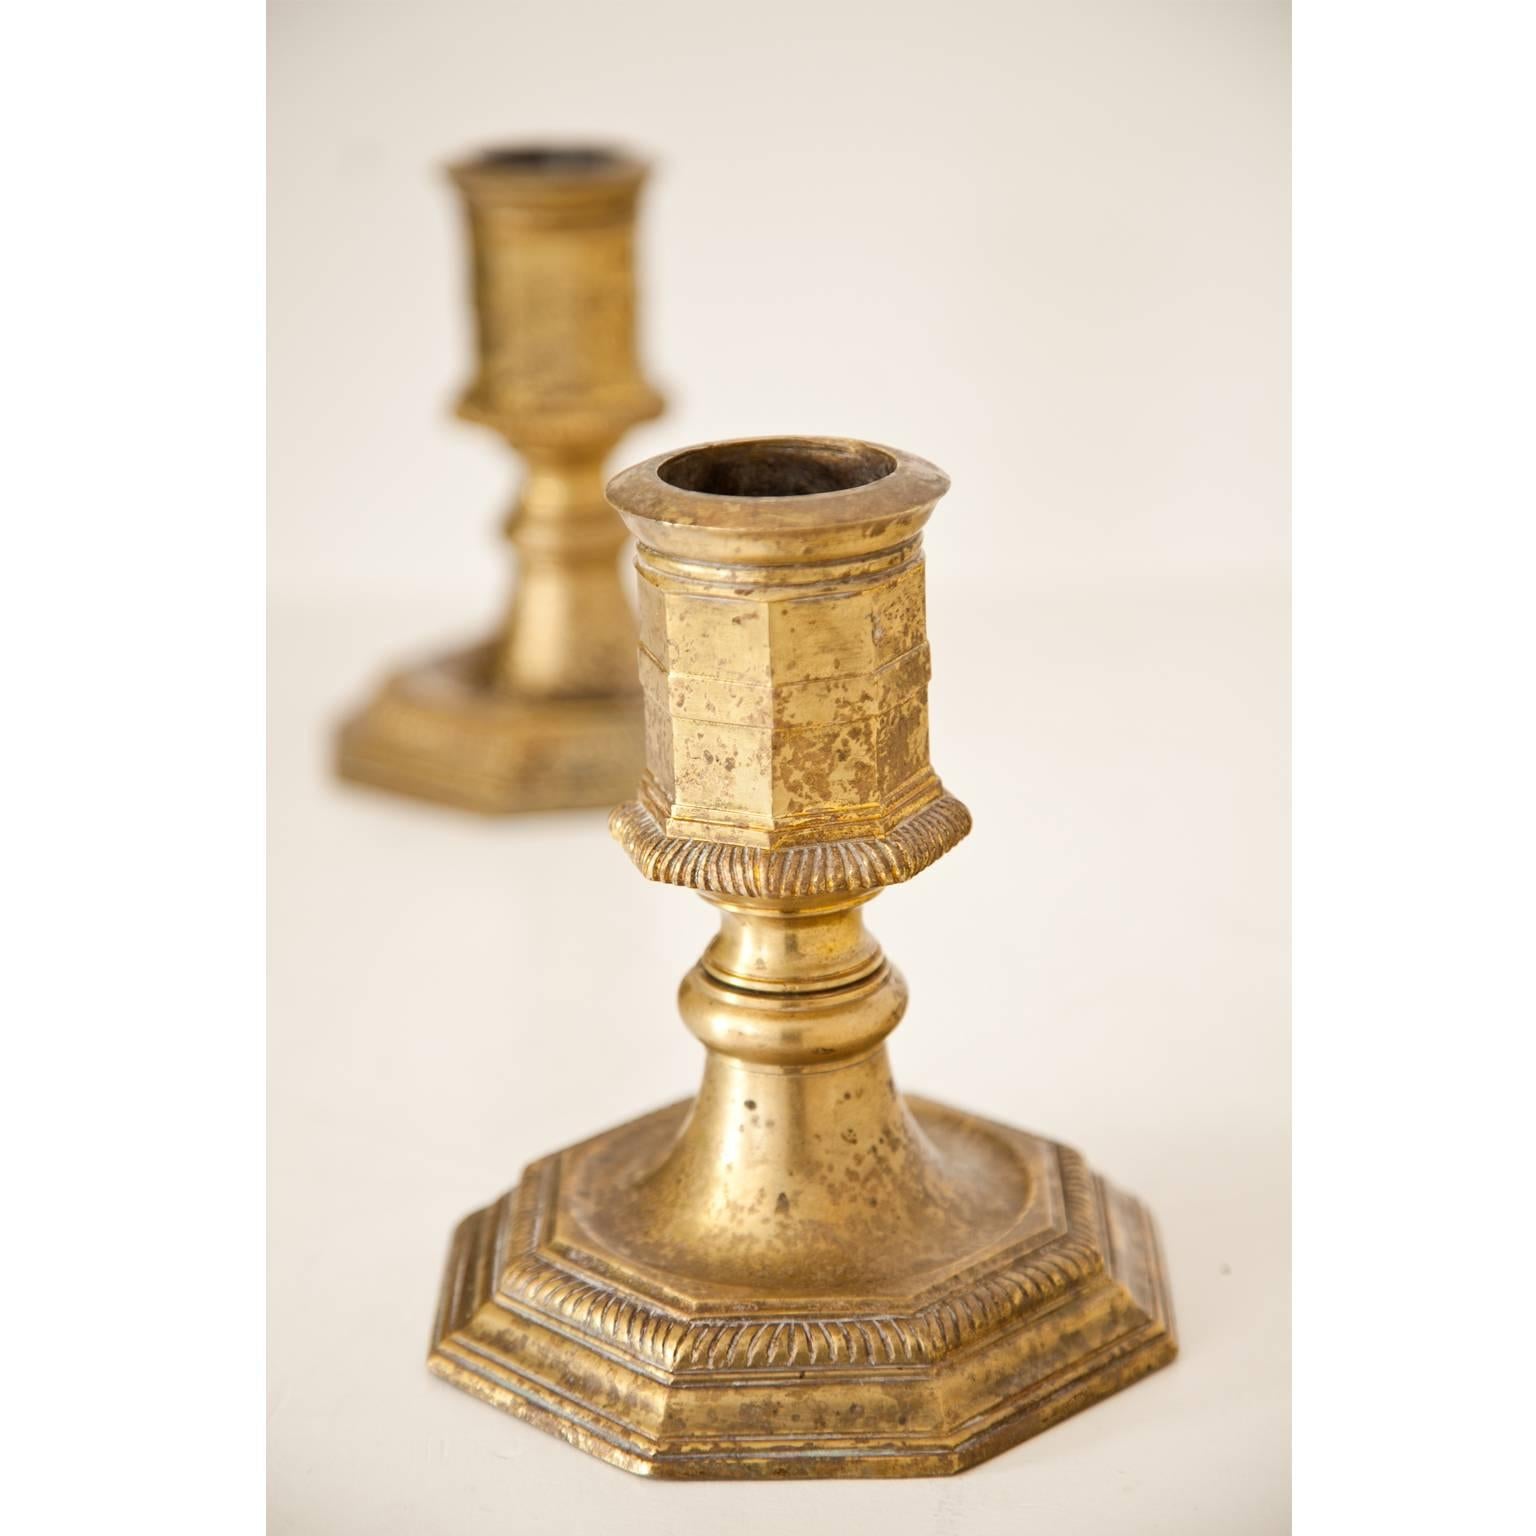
(799, 1273)
(547, 713)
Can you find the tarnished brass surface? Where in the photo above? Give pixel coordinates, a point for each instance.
(546, 713)
(800, 1272)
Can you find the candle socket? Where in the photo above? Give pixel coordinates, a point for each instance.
(545, 713)
(799, 1272)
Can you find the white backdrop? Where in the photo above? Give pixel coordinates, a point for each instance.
(1044, 246)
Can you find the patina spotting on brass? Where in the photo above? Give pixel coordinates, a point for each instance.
(546, 713)
(800, 1272)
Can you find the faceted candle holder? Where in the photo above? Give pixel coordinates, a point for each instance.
(800, 1272)
(546, 713)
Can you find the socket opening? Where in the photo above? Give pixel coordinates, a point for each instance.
(782, 466)
(551, 159)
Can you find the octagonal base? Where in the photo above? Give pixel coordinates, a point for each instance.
(922, 1373)
(438, 732)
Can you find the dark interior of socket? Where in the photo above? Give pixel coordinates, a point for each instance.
(781, 467)
(549, 160)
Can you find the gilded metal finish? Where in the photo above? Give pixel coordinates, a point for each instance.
(800, 1272)
(546, 713)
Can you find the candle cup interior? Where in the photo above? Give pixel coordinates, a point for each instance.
(551, 160)
(776, 467)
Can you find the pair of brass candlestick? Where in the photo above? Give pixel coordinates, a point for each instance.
(799, 1272)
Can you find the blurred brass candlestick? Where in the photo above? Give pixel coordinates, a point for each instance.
(799, 1273)
(547, 713)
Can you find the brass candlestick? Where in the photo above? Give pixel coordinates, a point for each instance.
(799, 1273)
(547, 713)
